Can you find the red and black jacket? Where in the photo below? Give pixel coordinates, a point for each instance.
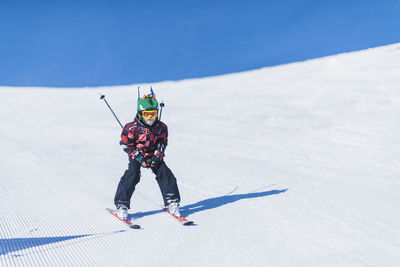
(144, 140)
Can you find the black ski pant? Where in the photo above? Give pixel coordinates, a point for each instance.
(164, 177)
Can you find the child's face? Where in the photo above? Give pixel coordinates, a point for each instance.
(149, 121)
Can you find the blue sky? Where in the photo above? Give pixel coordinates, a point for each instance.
(115, 42)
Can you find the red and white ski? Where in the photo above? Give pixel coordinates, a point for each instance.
(129, 223)
(181, 219)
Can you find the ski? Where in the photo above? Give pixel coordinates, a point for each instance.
(128, 223)
(181, 219)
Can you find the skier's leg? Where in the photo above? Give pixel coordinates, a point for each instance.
(127, 184)
(167, 183)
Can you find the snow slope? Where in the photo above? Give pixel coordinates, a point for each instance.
(294, 165)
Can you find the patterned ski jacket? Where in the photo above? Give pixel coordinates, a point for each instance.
(144, 140)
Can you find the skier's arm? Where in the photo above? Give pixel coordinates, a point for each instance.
(162, 142)
(127, 140)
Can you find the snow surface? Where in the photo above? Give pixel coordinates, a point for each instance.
(294, 165)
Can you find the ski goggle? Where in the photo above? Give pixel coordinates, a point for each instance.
(149, 113)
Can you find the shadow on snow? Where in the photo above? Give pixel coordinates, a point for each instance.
(212, 203)
(216, 202)
(138, 215)
(17, 244)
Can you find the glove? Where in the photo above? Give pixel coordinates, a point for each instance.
(142, 161)
(126, 148)
(154, 161)
(136, 155)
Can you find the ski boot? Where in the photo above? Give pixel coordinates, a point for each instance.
(122, 211)
(173, 208)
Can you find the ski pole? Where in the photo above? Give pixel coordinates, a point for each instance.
(104, 98)
(161, 105)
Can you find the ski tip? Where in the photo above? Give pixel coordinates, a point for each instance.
(188, 223)
(135, 226)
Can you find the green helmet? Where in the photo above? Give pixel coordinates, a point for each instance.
(147, 102)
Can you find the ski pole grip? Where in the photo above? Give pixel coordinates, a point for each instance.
(161, 105)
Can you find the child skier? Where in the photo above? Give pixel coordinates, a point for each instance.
(145, 140)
